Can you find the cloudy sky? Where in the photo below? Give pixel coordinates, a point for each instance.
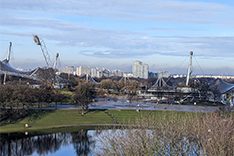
(114, 33)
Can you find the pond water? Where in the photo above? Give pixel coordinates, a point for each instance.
(81, 142)
(72, 142)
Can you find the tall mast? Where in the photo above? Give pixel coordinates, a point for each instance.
(41, 43)
(189, 69)
(9, 52)
(55, 62)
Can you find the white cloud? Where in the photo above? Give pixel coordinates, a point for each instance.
(170, 27)
(122, 43)
(130, 10)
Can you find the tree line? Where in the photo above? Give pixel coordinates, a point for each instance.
(21, 94)
(15, 95)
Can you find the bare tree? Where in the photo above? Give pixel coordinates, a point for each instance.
(58, 97)
(107, 84)
(172, 134)
(83, 94)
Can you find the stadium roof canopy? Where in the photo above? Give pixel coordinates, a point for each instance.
(221, 86)
(6, 68)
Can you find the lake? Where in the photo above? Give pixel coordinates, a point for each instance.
(81, 142)
(72, 141)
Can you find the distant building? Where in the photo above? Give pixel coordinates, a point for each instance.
(140, 70)
(127, 75)
(118, 73)
(20, 69)
(99, 72)
(152, 74)
(145, 71)
(96, 72)
(136, 68)
(162, 74)
(82, 71)
(68, 70)
(105, 72)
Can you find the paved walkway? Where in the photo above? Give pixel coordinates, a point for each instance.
(140, 106)
(152, 106)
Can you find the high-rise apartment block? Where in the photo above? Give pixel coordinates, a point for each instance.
(68, 70)
(118, 73)
(105, 72)
(160, 74)
(80, 71)
(164, 74)
(96, 72)
(140, 70)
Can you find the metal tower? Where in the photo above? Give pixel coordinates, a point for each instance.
(9, 53)
(55, 62)
(7, 60)
(44, 50)
(189, 69)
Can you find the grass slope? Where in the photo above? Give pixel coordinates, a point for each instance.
(130, 116)
(45, 119)
(59, 118)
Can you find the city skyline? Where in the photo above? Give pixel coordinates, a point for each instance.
(112, 34)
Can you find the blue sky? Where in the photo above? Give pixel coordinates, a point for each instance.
(114, 33)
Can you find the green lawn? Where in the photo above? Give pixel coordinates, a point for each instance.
(70, 117)
(44, 119)
(130, 116)
(57, 118)
(125, 116)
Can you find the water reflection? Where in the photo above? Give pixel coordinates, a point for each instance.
(19, 144)
(82, 142)
(97, 142)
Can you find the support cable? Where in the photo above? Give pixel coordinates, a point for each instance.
(183, 62)
(178, 67)
(199, 66)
